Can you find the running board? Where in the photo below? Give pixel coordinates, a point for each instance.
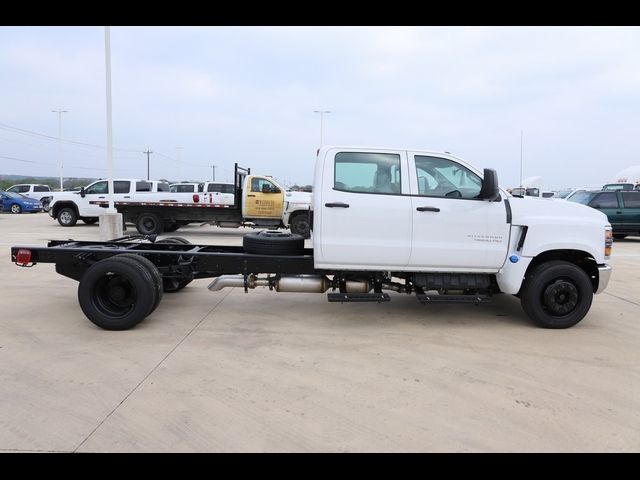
(358, 297)
(425, 298)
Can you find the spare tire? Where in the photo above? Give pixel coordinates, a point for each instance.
(273, 242)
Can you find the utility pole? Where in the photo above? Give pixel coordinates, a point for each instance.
(213, 173)
(179, 149)
(148, 152)
(60, 112)
(321, 112)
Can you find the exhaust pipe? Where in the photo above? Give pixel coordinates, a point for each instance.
(287, 283)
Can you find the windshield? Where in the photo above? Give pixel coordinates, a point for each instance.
(14, 195)
(562, 194)
(581, 197)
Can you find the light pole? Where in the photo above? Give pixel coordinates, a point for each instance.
(321, 112)
(60, 112)
(213, 173)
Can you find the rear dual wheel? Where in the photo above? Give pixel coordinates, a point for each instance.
(119, 292)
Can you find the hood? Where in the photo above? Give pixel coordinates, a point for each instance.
(298, 197)
(554, 210)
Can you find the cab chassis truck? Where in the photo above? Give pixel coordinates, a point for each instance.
(449, 234)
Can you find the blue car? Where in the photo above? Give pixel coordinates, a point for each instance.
(16, 203)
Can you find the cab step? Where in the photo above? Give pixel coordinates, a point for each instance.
(358, 297)
(427, 298)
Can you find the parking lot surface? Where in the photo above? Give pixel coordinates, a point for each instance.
(266, 371)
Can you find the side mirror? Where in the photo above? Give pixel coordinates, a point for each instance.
(82, 194)
(275, 190)
(489, 190)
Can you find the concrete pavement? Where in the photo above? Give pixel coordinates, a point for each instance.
(229, 371)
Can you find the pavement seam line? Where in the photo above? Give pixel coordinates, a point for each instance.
(623, 299)
(152, 370)
(33, 450)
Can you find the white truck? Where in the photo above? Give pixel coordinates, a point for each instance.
(40, 192)
(411, 222)
(85, 205)
(255, 201)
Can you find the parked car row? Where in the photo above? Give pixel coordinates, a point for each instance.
(622, 208)
(17, 203)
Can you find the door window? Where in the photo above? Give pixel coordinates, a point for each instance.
(121, 186)
(367, 172)
(262, 185)
(631, 199)
(605, 200)
(97, 188)
(41, 188)
(439, 177)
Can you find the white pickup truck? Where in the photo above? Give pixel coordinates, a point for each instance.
(412, 222)
(69, 207)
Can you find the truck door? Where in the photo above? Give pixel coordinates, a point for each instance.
(631, 211)
(364, 211)
(452, 228)
(608, 203)
(262, 198)
(96, 192)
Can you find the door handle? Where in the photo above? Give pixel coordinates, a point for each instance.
(428, 209)
(127, 196)
(250, 195)
(101, 197)
(618, 211)
(337, 205)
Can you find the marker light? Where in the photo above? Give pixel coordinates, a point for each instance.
(23, 257)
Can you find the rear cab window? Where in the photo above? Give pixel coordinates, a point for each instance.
(367, 173)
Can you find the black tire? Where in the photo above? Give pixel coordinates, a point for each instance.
(620, 236)
(90, 220)
(15, 208)
(67, 217)
(149, 224)
(273, 242)
(175, 284)
(117, 293)
(174, 240)
(171, 227)
(556, 294)
(300, 225)
(46, 205)
(155, 273)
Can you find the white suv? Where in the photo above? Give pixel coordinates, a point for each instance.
(40, 192)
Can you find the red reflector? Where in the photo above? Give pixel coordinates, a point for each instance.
(196, 198)
(23, 257)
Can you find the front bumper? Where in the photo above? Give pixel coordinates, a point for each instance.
(604, 274)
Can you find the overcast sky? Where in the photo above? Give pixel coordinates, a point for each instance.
(247, 95)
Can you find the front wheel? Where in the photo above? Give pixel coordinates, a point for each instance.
(46, 206)
(67, 217)
(556, 294)
(15, 208)
(300, 225)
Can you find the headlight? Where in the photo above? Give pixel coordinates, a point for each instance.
(608, 241)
